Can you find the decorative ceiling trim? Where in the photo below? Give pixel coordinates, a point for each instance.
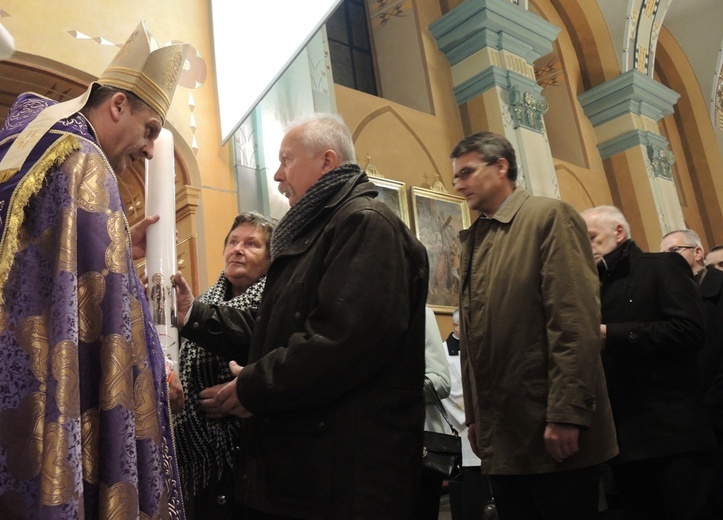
(644, 22)
(717, 94)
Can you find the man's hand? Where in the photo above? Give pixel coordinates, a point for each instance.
(472, 438)
(227, 399)
(561, 440)
(207, 402)
(138, 236)
(184, 298)
(603, 335)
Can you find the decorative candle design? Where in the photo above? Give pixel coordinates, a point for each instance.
(161, 242)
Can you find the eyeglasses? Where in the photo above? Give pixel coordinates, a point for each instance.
(677, 249)
(469, 170)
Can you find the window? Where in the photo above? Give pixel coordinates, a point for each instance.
(349, 47)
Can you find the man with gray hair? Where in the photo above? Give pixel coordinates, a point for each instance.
(332, 384)
(687, 243)
(651, 332)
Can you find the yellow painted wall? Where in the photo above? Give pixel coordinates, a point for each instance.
(405, 144)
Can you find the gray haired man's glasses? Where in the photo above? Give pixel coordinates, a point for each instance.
(678, 249)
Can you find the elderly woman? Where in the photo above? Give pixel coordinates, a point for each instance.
(206, 441)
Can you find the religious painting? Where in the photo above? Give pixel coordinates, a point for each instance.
(392, 194)
(438, 219)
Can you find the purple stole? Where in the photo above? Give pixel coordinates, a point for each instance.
(84, 420)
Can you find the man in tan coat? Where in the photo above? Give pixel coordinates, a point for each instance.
(535, 396)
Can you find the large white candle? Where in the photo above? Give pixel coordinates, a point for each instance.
(161, 242)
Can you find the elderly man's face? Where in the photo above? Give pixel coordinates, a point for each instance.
(604, 236)
(299, 168)
(676, 243)
(715, 258)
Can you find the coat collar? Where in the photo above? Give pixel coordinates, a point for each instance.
(504, 215)
(357, 186)
(511, 206)
(365, 188)
(618, 260)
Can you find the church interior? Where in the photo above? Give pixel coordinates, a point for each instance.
(607, 102)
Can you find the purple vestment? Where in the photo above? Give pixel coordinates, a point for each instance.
(84, 422)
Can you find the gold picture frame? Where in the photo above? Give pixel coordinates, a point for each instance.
(392, 193)
(438, 219)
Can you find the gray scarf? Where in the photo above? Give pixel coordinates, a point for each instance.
(309, 205)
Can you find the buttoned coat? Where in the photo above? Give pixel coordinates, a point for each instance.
(654, 318)
(335, 370)
(711, 355)
(530, 342)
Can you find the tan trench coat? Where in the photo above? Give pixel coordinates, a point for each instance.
(530, 318)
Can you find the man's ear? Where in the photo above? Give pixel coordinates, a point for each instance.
(699, 255)
(502, 167)
(117, 105)
(619, 234)
(331, 161)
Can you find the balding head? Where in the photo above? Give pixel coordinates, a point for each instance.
(607, 229)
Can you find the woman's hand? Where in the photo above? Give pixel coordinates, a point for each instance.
(175, 392)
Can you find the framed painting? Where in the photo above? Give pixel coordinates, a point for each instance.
(438, 219)
(392, 194)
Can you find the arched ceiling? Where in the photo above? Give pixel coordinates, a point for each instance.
(696, 25)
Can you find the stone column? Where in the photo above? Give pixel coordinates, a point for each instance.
(625, 112)
(491, 46)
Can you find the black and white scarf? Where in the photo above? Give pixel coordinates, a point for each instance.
(309, 205)
(206, 447)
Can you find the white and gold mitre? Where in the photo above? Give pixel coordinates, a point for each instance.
(151, 73)
(140, 67)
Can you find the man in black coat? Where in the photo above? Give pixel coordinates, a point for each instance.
(652, 331)
(331, 387)
(687, 243)
(714, 258)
